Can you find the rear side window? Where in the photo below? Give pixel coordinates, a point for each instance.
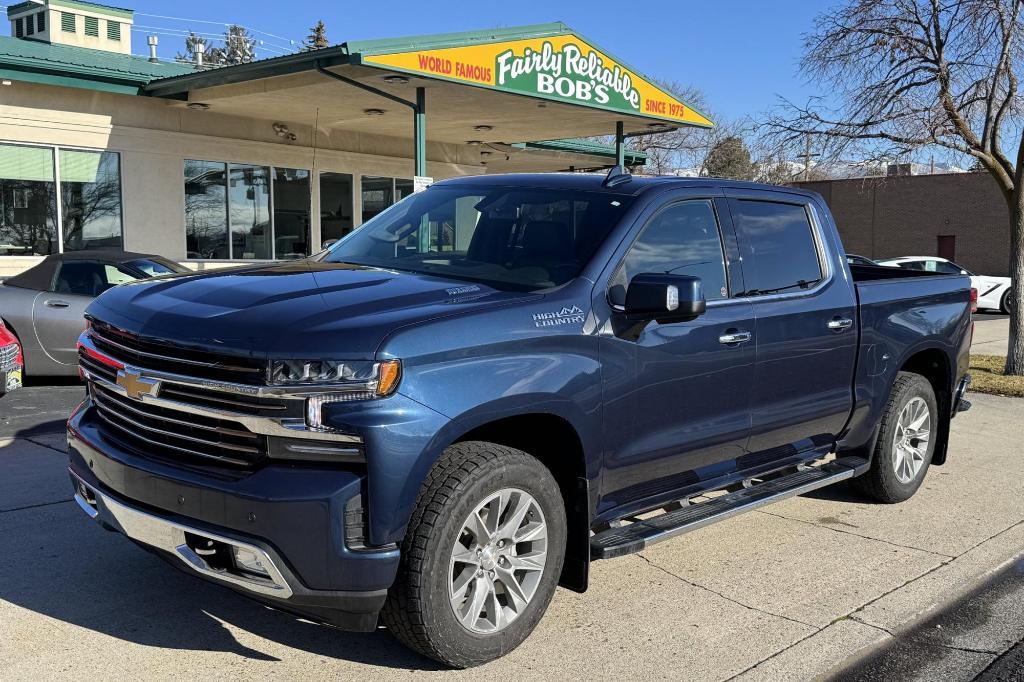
(683, 239)
(781, 241)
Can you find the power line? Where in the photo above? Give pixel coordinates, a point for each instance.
(216, 23)
(258, 45)
(182, 32)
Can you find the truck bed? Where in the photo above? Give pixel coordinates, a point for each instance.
(870, 273)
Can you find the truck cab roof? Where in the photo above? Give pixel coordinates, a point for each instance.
(635, 185)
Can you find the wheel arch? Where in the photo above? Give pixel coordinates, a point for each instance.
(934, 365)
(555, 442)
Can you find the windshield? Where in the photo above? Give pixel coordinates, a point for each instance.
(157, 266)
(511, 238)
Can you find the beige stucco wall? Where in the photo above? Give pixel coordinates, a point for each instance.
(154, 137)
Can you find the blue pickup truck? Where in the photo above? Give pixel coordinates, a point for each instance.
(499, 380)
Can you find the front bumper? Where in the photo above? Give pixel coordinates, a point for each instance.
(291, 521)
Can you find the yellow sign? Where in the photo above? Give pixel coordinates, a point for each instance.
(561, 67)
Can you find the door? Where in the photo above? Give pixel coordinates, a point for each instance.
(58, 314)
(946, 246)
(805, 331)
(676, 395)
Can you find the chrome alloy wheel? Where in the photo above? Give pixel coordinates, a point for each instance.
(497, 561)
(910, 442)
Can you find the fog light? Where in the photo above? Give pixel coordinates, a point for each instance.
(248, 561)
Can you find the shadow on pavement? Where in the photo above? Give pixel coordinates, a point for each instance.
(60, 564)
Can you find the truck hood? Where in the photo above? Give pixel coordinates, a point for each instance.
(299, 309)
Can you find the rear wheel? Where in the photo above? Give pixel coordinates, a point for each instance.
(481, 558)
(1006, 304)
(906, 441)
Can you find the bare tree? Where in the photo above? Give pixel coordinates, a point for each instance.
(913, 74)
(684, 148)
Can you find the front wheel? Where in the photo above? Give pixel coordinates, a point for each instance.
(1006, 305)
(906, 441)
(481, 558)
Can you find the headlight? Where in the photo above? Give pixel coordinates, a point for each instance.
(283, 372)
(354, 380)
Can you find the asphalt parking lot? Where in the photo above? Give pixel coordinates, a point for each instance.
(801, 589)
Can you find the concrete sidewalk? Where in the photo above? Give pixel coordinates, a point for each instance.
(991, 334)
(790, 592)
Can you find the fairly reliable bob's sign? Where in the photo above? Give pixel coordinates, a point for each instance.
(559, 67)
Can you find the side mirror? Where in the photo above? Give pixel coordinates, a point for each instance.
(665, 298)
(327, 243)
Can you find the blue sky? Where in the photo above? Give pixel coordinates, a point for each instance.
(741, 53)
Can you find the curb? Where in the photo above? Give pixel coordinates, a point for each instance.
(852, 638)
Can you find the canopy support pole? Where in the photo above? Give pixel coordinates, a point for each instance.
(420, 131)
(620, 145)
(419, 114)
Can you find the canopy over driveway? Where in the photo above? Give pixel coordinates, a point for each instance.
(495, 89)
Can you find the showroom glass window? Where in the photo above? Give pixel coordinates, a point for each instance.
(249, 204)
(90, 192)
(291, 213)
(336, 218)
(88, 215)
(206, 210)
(28, 201)
(265, 210)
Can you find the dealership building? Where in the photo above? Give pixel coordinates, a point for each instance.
(959, 216)
(100, 148)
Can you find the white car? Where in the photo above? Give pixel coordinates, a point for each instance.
(993, 292)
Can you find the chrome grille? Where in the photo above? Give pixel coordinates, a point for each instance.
(174, 434)
(163, 356)
(157, 412)
(205, 397)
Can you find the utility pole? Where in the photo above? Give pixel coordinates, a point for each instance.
(807, 157)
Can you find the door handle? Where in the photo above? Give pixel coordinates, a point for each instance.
(838, 324)
(56, 303)
(734, 336)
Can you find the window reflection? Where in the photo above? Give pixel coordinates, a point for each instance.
(249, 202)
(90, 187)
(206, 218)
(336, 219)
(28, 201)
(682, 240)
(377, 194)
(291, 213)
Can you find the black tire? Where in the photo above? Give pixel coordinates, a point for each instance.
(880, 482)
(1004, 303)
(418, 611)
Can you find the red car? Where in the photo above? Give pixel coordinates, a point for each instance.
(11, 361)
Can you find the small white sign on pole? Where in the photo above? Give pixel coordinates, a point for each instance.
(421, 182)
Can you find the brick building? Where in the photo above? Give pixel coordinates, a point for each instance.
(960, 216)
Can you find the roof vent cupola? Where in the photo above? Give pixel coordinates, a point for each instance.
(73, 22)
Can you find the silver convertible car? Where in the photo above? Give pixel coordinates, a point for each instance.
(44, 305)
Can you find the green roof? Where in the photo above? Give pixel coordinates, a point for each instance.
(38, 62)
(585, 146)
(72, 4)
(22, 6)
(442, 40)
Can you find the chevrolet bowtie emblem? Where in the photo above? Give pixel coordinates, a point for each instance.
(135, 385)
